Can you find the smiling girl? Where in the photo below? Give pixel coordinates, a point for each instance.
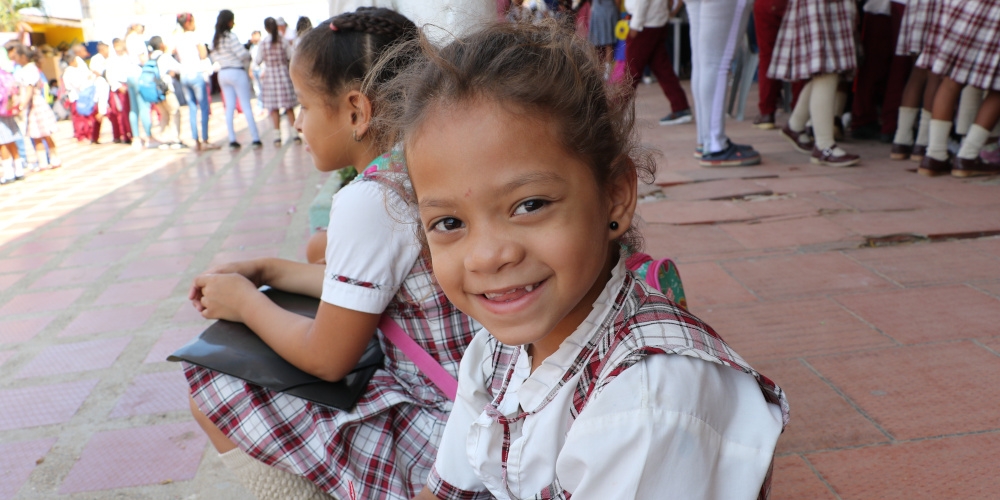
(385, 446)
(584, 382)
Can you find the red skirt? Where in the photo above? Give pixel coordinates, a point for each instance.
(968, 46)
(816, 37)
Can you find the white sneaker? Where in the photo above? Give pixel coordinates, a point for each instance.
(19, 168)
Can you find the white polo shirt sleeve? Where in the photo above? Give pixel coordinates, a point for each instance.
(371, 247)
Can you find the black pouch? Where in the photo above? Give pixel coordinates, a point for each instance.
(234, 349)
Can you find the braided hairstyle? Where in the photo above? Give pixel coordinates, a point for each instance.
(271, 27)
(341, 51)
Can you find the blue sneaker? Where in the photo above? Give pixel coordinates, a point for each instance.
(677, 117)
(733, 156)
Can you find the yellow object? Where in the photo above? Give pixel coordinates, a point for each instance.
(621, 29)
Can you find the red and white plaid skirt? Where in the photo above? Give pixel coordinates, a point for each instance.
(41, 121)
(968, 46)
(816, 37)
(276, 91)
(916, 25)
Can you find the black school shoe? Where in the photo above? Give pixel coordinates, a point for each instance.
(234, 145)
(733, 156)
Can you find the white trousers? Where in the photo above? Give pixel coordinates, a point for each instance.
(717, 29)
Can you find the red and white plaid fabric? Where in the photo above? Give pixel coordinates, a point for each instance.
(816, 37)
(917, 20)
(937, 23)
(276, 89)
(622, 343)
(41, 119)
(386, 446)
(968, 46)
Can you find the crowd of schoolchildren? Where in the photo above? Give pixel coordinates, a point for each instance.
(523, 355)
(135, 79)
(921, 74)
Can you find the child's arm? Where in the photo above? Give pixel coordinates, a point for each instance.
(328, 347)
(287, 275)
(425, 494)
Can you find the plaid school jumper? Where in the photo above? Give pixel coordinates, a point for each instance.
(385, 447)
(621, 342)
(816, 37)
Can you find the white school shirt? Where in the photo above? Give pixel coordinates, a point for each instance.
(670, 426)
(186, 47)
(369, 251)
(98, 64)
(648, 13)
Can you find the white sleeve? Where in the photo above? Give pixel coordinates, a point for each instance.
(369, 251)
(638, 9)
(672, 426)
(452, 472)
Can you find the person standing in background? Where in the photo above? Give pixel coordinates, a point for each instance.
(302, 26)
(98, 66)
(253, 46)
(119, 105)
(137, 54)
(717, 28)
(647, 45)
(234, 78)
(277, 92)
(193, 58)
(767, 15)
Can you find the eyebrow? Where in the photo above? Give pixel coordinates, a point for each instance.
(504, 190)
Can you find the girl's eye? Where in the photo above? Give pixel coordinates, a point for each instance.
(530, 206)
(447, 224)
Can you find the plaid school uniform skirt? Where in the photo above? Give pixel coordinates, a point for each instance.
(276, 91)
(816, 37)
(968, 51)
(918, 18)
(41, 121)
(382, 449)
(9, 131)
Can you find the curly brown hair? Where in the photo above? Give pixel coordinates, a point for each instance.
(541, 69)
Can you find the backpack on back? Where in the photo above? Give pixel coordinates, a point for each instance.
(151, 87)
(86, 101)
(10, 95)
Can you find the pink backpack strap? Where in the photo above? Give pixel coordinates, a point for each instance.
(424, 361)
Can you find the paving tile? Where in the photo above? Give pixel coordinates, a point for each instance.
(186, 313)
(962, 193)
(99, 257)
(131, 223)
(778, 206)
(44, 245)
(173, 339)
(190, 230)
(71, 230)
(109, 320)
(262, 222)
(23, 263)
(5, 355)
(793, 479)
(957, 467)
(8, 280)
(116, 238)
(821, 418)
(668, 178)
(990, 288)
(927, 222)
(904, 389)
(715, 190)
(887, 199)
(928, 314)
(70, 276)
(774, 330)
(173, 265)
(788, 233)
(677, 241)
(692, 212)
(17, 460)
(137, 457)
(705, 284)
(803, 275)
(256, 238)
(177, 246)
(804, 184)
(42, 405)
(929, 263)
(75, 357)
(137, 291)
(52, 300)
(153, 393)
(247, 254)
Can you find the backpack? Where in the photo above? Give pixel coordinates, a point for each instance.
(660, 274)
(86, 101)
(10, 95)
(152, 88)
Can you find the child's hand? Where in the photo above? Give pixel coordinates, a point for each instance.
(221, 296)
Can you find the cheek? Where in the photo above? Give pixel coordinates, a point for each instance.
(448, 272)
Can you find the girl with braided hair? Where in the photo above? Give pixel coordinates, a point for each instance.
(276, 92)
(385, 446)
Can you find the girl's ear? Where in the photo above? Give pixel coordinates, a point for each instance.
(624, 194)
(361, 112)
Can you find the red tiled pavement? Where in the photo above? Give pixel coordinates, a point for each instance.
(17, 460)
(890, 355)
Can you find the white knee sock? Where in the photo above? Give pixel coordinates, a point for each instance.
(904, 125)
(8, 169)
(923, 129)
(269, 483)
(821, 109)
(19, 167)
(973, 142)
(968, 105)
(937, 144)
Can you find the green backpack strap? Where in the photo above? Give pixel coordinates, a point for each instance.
(660, 274)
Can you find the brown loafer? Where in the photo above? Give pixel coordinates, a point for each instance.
(826, 157)
(932, 167)
(764, 122)
(918, 152)
(802, 146)
(963, 167)
(900, 151)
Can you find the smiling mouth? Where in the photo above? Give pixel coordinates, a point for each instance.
(511, 294)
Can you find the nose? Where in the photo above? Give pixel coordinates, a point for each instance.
(491, 250)
(298, 122)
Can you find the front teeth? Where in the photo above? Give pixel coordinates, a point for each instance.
(527, 289)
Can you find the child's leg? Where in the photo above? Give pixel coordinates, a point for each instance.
(7, 164)
(945, 99)
(968, 105)
(800, 113)
(822, 103)
(276, 121)
(968, 163)
(43, 157)
(909, 107)
(54, 160)
(242, 84)
(290, 114)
